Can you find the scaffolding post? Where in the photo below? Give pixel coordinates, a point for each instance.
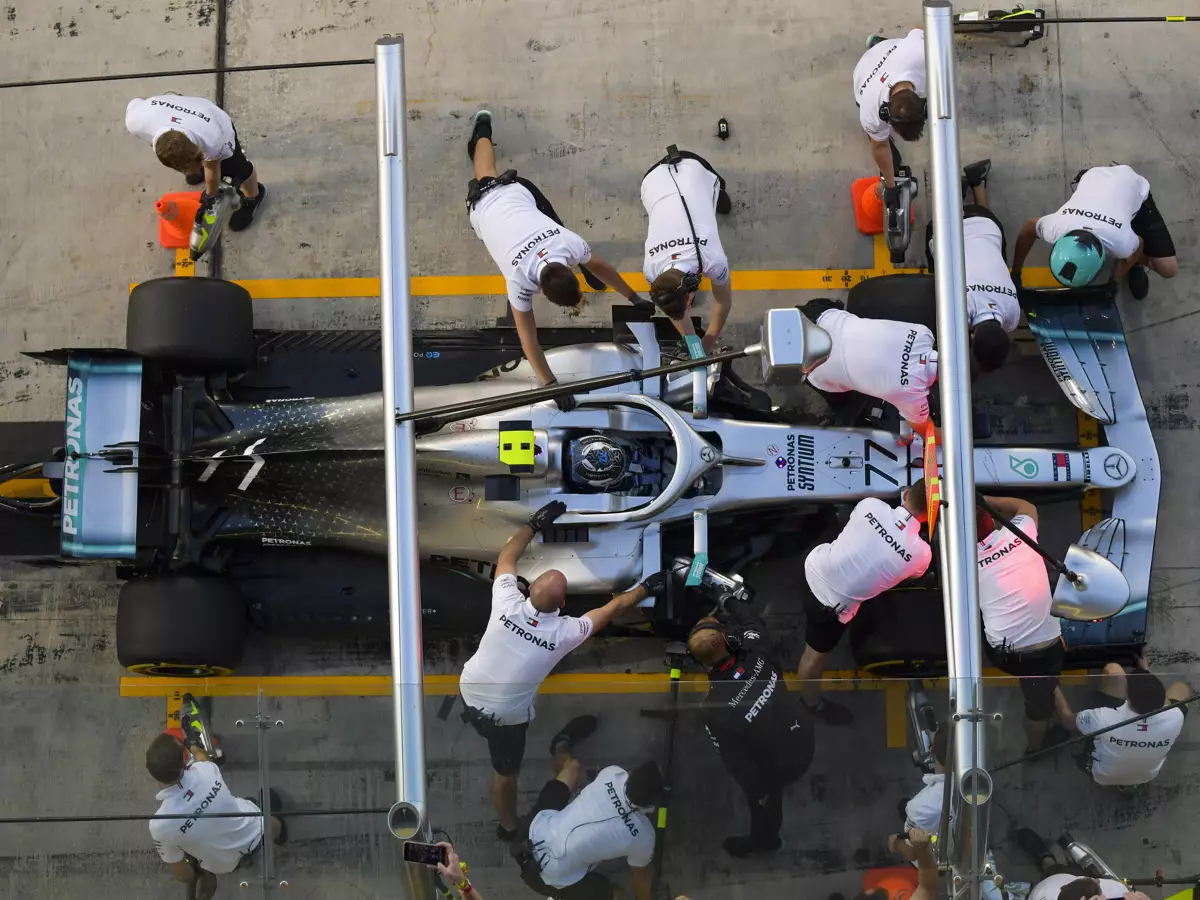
(972, 785)
(408, 816)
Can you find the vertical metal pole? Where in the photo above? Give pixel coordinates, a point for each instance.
(960, 589)
(407, 818)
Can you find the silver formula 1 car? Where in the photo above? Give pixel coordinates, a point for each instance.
(236, 474)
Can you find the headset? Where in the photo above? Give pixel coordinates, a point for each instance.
(733, 642)
(691, 280)
(885, 113)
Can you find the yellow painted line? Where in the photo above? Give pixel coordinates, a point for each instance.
(895, 695)
(184, 266)
(27, 489)
(1091, 510)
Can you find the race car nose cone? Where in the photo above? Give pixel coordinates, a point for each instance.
(1100, 592)
(791, 341)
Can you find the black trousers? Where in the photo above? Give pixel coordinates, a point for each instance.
(766, 811)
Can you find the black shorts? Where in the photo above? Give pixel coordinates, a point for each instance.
(1147, 224)
(1038, 671)
(822, 628)
(237, 168)
(970, 211)
(506, 743)
(687, 154)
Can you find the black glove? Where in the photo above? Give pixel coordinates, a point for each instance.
(564, 402)
(545, 516)
(891, 196)
(656, 584)
(641, 304)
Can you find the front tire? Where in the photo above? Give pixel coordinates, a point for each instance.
(196, 325)
(180, 626)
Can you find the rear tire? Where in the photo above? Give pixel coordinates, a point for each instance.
(201, 325)
(901, 297)
(900, 634)
(180, 626)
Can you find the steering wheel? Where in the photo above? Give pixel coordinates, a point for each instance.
(693, 457)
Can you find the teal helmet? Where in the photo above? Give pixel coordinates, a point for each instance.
(1076, 258)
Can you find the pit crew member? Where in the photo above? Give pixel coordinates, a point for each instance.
(196, 137)
(524, 640)
(531, 247)
(992, 308)
(924, 810)
(1111, 210)
(879, 547)
(563, 840)
(683, 194)
(1134, 753)
(758, 728)
(894, 361)
(200, 848)
(889, 88)
(1021, 636)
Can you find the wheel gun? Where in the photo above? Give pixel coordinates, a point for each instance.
(211, 217)
(898, 213)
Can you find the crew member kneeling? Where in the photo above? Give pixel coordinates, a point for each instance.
(1110, 211)
(1021, 636)
(525, 638)
(758, 728)
(879, 548)
(682, 194)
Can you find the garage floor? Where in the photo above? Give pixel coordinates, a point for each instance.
(586, 96)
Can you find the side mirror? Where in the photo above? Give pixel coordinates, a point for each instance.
(1100, 592)
(791, 341)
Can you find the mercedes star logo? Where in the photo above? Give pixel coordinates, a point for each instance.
(1116, 466)
(708, 454)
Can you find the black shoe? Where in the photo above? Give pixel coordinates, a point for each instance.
(742, 845)
(481, 128)
(195, 178)
(283, 834)
(205, 886)
(976, 173)
(574, 732)
(244, 217)
(504, 834)
(590, 277)
(830, 712)
(1033, 845)
(724, 204)
(276, 801)
(1139, 282)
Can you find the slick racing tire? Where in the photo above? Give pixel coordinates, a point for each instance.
(180, 626)
(902, 298)
(195, 325)
(900, 634)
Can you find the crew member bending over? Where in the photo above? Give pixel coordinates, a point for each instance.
(992, 308)
(879, 548)
(763, 738)
(682, 194)
(1134, 753)
(525, 638)
(889, 84)
(531, 247)
(1110, 211)
(894, 361)
(1021, 636)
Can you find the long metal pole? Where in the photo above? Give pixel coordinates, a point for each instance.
(407, 818)
(960, 591)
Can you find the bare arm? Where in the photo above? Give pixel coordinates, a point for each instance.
(182, 871)
(723, 303)
(1012, 507)
(527, 332)
(1066, 716)
(1026, 238)
(609, 276)
(643, 882)
(881, 152)
(506, 564)
(212, 176)
(602, 617)
(919, 849)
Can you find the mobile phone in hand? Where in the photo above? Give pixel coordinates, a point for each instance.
(424, 854)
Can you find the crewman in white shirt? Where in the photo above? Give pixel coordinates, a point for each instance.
(992, 308)
(205, 845)
(879, 547)
(1134, 753)
(524, 640)
(564, 839)
(889, 88)
(531, 247)
(1021, 636)
(924, 810)
(196, 137)
(683, 194)
(893, 361)
(1110, 211)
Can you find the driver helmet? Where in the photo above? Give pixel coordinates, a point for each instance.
(1076, 258)
(598, 461)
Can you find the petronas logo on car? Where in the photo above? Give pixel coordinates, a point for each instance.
(1026, 468)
